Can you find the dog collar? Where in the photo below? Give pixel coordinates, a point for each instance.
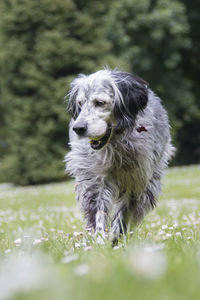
(141, 128)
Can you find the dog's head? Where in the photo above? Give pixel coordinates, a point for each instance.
(105, 102)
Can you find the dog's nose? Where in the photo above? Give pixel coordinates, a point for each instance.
(80, 128)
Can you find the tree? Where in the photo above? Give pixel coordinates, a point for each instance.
(151, 36)
(189, 134)
(45, 44)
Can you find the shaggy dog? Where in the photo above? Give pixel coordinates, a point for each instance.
(120, 144)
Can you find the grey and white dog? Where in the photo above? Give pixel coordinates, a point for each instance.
(120, 144)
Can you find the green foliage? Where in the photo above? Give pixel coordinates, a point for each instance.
(44, 44)
(150, 36)
(154, 38)
(189, 141)
(191, 56)
(189, 135)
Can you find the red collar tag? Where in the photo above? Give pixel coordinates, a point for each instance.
(140, 129)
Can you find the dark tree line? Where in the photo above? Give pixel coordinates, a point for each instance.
(44, 44)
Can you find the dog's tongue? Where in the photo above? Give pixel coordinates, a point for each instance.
(96, 144)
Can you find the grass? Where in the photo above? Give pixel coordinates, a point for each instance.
(45, 253)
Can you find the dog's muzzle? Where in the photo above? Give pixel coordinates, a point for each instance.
(99, 142)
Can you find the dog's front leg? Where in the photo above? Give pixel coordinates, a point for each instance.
(119, 222)
(102, 215)
(95, 203)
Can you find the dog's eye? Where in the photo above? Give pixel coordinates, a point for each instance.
(99, 103)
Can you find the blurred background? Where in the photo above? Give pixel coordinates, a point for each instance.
(45, 44)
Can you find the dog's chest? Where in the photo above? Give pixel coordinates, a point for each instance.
(129, 181)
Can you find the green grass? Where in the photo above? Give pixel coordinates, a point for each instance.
(45, 253)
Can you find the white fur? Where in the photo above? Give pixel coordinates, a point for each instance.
(122, 181)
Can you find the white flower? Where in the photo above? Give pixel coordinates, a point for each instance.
(116, 247)
(161, 232)
(87, 248)
(7, 251)
(23, 273)
(164, 226)
(67, 259)
(188, 223)
(18, 242)
(147, 264)
(175, 225)
(77, 245)
(154, 247)
(82, 270)
(168, 235)
(178, 233)
(37, 241)
(77, 234)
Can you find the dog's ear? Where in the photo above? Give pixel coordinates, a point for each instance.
(72, 105)
(134, 97)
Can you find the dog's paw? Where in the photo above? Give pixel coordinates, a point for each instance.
(100, 240)
(113, 238)
(101, 236)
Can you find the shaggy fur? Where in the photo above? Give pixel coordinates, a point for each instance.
(120, 144)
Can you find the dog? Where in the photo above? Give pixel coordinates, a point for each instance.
(120, 144)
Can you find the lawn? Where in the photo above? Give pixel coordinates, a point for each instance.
(45, 253)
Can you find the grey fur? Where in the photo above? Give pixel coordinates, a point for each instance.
(118, 184)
